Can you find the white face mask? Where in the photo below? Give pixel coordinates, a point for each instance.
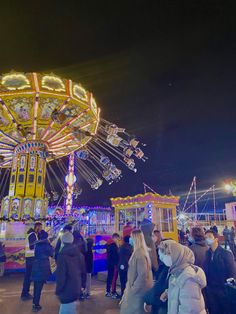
(166, 259)
(160, 255)
(209, 241)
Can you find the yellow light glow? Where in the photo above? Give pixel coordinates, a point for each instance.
(49, 79)
(80, 92)
(21, 78)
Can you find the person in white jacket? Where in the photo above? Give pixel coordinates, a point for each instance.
(186, 280)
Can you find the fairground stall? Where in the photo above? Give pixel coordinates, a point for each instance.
(51, 131)
(161, 210)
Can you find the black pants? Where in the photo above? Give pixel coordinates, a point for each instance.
(28, 270)
(217, 301)
(112, 274)
(38, 286)
(123, 279)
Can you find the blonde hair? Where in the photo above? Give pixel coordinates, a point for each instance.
(139, 243)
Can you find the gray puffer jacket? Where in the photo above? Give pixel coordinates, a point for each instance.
(184, 292)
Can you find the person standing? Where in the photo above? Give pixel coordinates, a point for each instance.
(128, 228)
(140, 278)
(82, 246)
(41, 267)
(31, 238)
(147, 228)
(2, 258)
(231, 241)
(198, 245)
(112, 266)
(185, 279)
(70, 265)
(89, 266)
(125, 253)
(219, 266)
(226, 234)
(67, 228)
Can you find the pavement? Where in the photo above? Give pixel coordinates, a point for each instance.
(10, 303)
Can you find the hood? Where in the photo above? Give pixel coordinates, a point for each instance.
(201, 243)
(30, 231)
(70, 250)
(194, 273)
(181, 255)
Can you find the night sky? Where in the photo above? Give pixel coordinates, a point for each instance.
(164, 70)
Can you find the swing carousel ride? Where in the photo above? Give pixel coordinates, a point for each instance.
(45, 122)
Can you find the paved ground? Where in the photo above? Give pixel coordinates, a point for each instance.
(10, 303)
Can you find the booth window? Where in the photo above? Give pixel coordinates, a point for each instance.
(21, 178)
(166, 218)
(31, 178)
(13, 179)
(39, 179)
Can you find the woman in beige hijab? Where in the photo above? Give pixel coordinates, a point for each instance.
(139, 276)
(185, 282)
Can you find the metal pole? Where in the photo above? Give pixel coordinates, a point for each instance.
(195, 197)
(214, 201)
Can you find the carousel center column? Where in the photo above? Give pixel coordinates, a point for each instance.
(26, 192)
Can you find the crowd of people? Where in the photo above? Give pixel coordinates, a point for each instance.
(156, 275)
(189, 278)
(74, 265)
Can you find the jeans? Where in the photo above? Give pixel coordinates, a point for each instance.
(38, 286)
(68, 308)
(88, 283)
(123, 279)
(27, 279)
(112, 276)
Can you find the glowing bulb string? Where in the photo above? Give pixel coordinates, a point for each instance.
(189, 192)
(210, 189)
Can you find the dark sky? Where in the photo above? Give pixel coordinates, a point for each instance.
(165, 70)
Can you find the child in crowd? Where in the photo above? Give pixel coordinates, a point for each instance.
(89, 266)
(2, 258)
(112, 265)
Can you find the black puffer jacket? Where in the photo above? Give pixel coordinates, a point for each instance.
(70, 265)
(125, 252)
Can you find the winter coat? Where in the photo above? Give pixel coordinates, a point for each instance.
(152, 297)
(199, 249)
(147, 228)
(226, 234)
(232, 236)
(139, 282)
(112, 254)
(125, 252)
(41, 266)
(70, 266)
(2, 253)
(80, 242)
(219, 266)
(184, 292)
(89, 260)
